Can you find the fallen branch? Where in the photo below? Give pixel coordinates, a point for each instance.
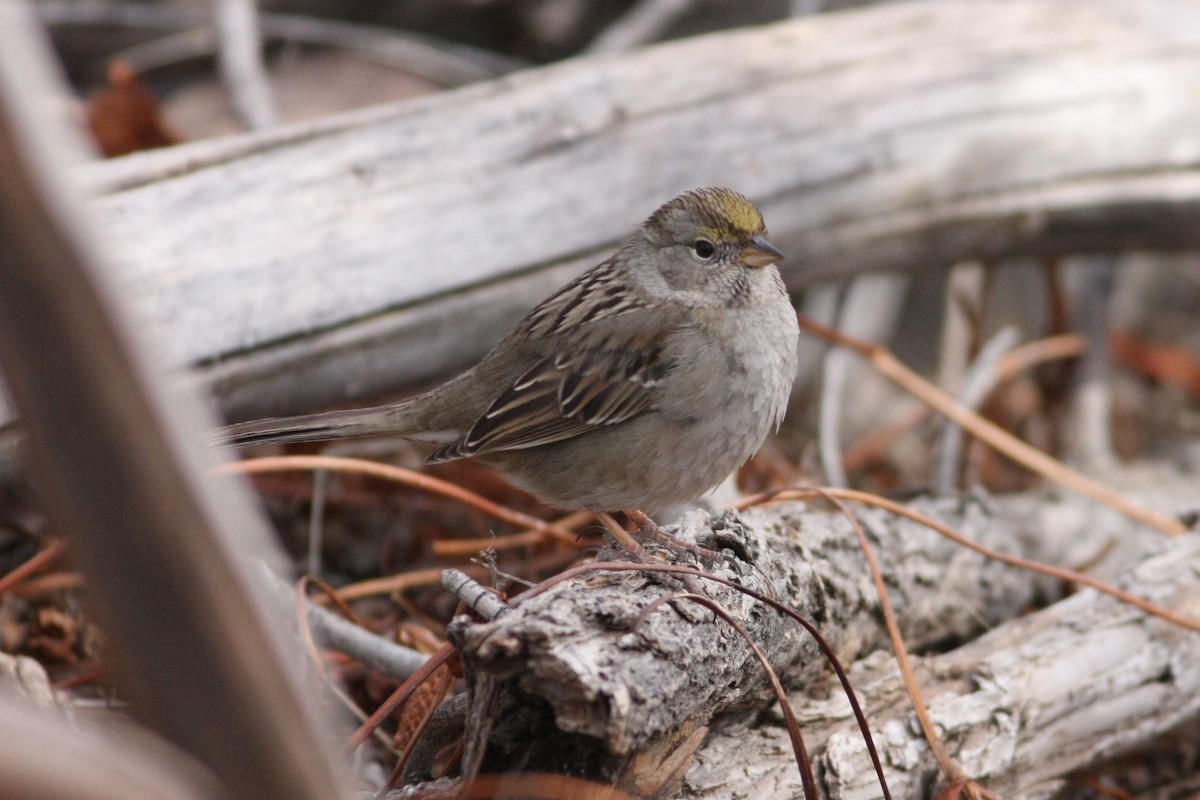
(570, 647)
(1020, 709)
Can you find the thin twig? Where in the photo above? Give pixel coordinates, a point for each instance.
(1016, 361)
(336, 599)
(1090, 424)
(1031, 354)
(953, 772)
(407, 477)
(356, 711)
(978, 381)
(451, 548)
(300, 604)
(822, 644)
(240, 48)
(803, 762)
(994, 435)
(834, 373)
(391, 584)
(646, 21)
(398, 697)
(474, 595)
(49, 583)
(617, 532)
(442, 62)
(464, 548)
(403, 582)
(39, 561)
(345, 636)
(868, 308)
(1016, 561)
(963, 297)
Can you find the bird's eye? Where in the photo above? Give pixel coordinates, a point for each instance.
(704, 248)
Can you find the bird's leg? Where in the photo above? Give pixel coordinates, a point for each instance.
(619, 533)
(649, 529)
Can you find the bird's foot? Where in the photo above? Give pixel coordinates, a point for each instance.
(648, 529)
(620, 535)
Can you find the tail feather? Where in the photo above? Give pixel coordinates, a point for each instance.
(324, 426)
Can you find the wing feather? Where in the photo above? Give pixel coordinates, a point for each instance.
(604, 368)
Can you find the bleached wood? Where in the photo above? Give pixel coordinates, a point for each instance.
(900, 137)
(240, 47)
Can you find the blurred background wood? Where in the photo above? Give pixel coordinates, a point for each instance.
(203, 656)
(44, 757)
(312, 265)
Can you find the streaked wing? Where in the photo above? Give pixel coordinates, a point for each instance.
(603, 364)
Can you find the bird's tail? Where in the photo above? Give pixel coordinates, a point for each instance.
(349, 424)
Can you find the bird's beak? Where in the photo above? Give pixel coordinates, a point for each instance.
(760, 252)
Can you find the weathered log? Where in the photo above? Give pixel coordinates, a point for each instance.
(570, 652)
(1021, 708)
(898, 137)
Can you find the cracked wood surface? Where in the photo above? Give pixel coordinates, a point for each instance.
(570, 652)
(1021, 708)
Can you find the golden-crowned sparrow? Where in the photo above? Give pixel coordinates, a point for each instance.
(640, 385)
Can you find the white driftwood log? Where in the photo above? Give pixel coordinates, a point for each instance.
(311, 265)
